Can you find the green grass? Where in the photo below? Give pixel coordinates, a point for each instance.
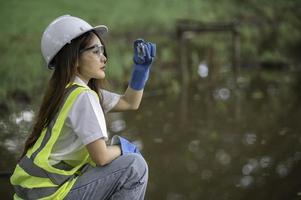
(22, 24)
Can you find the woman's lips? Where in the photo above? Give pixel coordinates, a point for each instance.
(103, 68)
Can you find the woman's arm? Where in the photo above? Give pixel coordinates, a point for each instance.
(144, 54)
(129, 101)
(102, 154)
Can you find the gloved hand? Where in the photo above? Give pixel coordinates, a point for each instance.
(126, 146)
(144, 54)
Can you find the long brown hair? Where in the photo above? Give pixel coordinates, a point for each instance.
(65, 68)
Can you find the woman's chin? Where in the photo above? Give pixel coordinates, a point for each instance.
(101, 75)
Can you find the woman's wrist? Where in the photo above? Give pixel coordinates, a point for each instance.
(139, 77)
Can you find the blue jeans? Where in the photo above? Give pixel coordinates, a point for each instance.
(124, 178)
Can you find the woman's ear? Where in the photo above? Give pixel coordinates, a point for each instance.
(77, 68)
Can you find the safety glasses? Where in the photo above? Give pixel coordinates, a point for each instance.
(96, 49)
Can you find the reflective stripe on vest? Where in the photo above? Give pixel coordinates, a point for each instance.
(34, 193)
(28, 165)
(34, 170)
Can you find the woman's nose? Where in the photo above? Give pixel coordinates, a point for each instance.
(103, 59)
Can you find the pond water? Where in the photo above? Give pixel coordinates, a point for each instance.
(212, 140)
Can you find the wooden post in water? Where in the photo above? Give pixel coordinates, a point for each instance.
(236, 52)
(183, 56)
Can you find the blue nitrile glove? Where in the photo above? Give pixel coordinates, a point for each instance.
(144, 54)
(126, 146)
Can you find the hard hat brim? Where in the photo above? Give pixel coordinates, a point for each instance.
(101, 30)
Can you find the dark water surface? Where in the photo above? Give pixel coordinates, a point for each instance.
(211, 140)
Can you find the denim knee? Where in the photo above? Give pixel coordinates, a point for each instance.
(138, 167)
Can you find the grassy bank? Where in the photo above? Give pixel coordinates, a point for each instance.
(23, 22)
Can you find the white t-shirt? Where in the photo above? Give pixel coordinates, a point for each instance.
(84, 124)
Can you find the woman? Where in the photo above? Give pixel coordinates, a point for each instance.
(66, 155)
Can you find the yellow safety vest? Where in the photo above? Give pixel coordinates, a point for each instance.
(34, 177)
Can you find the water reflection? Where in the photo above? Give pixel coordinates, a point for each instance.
(224, 140)
(282, 170)
(24, 116)
(235, 145)
(222, 94)
(223, 157)
(116, 122)
(206, 174)
(194, 145)
(265, 161)
(203, 70)
(118, 125)
(249, 138)
(246, 181)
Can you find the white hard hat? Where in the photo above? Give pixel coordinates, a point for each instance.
(61, 31)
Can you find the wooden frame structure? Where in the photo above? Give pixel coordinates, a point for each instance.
(183, 27)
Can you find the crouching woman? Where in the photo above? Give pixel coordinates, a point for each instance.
(66, 155)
